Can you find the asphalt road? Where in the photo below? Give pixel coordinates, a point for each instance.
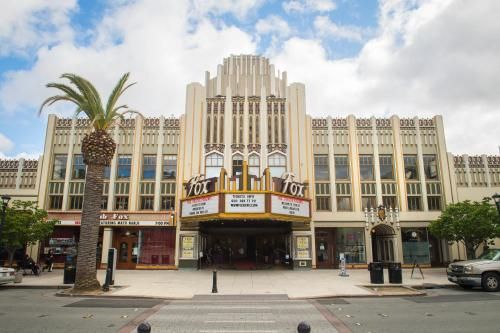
(443, 310)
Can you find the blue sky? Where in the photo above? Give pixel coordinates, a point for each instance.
(361, 57)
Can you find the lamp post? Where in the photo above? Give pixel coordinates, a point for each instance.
(496, 198)
(5, 202)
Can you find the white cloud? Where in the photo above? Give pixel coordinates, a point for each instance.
(273, 25)
(31, 23)
(5, 144)
(239, 8)
(309, 6)
(329, 29)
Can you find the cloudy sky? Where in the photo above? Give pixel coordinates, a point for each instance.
(362, 57)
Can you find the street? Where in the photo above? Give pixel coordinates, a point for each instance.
(442, 310)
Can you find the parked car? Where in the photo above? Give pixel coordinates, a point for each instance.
(482, 272)
(7, 275)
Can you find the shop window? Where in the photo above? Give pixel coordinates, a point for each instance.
(386, 169)
(59, 171)
(237, 165)
(434, 202)
(410, 162)
(366, 167)
(147, 202)
(342, 167)
(213, 163)
(389, 202)
(124, 166)
(344, 204)
(351, 242)
(106, 172)
(321, 167)
(156, 247)
(168, 202)
(415, 245)
(78, 171)
(55, 201)
(254, 165)
(368, 203)
(169, 166)
(104, 202)
(148, 167)
(76, 202)
(277, 164)
(414, 203)
(430, 167)
(121, 203)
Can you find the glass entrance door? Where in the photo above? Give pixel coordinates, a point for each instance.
(325, 255)
(126, 244)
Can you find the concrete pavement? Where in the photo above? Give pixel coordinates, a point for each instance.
(184, 284)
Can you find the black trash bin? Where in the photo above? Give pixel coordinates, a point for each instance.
(376, 272)
(395, 272)
(69, 270)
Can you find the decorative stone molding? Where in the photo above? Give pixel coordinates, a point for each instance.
(339, 122)
(152, 123)
(214, 146)
(254, 147)
(319, 123)
(128, 123)
(493, 161)
(82, 122)
(63, 123)
(383, 123)
(277, 147)
(426, 123)
(237, 147)
(9, 164)
(458, 161)
(172, 123)
(407, 122)
(476, 162)
(30, 165)
(363, 122)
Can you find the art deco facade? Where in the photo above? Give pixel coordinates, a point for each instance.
(278, 187)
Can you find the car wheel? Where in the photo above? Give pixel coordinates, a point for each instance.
(491, 282)
(466, 286)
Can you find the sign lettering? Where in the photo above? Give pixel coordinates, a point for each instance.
(197, 185)
(291, 187)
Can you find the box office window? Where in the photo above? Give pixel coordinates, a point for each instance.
(321, 167)
(148, 167)
(415, 245)
(78, 167)
(351, 242)
(341, 167)
(59, 170)
(366, 167)
(169, 166)
(124, 166)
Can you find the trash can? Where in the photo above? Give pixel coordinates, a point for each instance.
(69, 270)
(395, 272)
(376, 272)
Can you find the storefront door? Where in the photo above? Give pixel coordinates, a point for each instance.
(126, 244)
(325, 256)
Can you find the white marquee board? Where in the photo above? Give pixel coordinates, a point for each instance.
(289, 206)
(245, 203)
(200, 206)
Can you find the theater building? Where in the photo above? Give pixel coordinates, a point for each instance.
(246, 178)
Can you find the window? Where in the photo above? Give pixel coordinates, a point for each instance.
(148, 166)
(124, 166)
(430, 167)
(76, 202)
(366, 167)
(147, 202)
(434, 202)
(168, 202)
(254, 165)
(342, 167)
(104, 202)
(323, 203)
(414, 203)
(121, 203)
(277, 164)
(351, 242)
(386, 170)
(344, 204)
(213, 164)
(55, 202)
(59, 171)
(368, 203)
(169, 167)
(410, 162)
(237, 165)
(107, 172)
(78, 167)
(321, 168)
(389, 202)
(415, 245)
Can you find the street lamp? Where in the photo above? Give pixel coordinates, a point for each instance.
(496, 198)
(5, 202)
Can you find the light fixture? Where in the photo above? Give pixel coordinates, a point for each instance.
(496, 198)
(5, 200)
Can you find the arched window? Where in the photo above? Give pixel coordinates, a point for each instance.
(254, 165)
(277, 164)
(237, 165)
(213, 163)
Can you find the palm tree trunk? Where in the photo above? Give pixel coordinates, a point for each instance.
(86, 272)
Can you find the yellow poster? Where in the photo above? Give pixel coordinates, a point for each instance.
(188, 247)
(302, 249)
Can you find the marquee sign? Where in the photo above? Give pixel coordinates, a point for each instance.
(200, 206)
(245, 203)
(291, 187)
(289, 206)
(198, 185)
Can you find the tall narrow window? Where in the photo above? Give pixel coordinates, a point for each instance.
(221, 128)
(169, 166)
(410, 162)
(269, 129)
(241, 130)
(277, 164)
(213, 164)
(386, 170)
(321, 167)
(215, 129)
(283, 139)
(366, 167)
(341, 167)
(430, 167)
(78, 167)
(254, 165)
(257, 129)
(276, 130)
(237, 165)
(124, 166)
(59, 171)
(149, 167)
(208, 130)
(235, 139)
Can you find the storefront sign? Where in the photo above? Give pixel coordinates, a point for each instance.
(198, 185)
(245, 203)
(289, 206)
(291, 187)
(302, 247)
(118, 223)
(200, 206)
(187, 247)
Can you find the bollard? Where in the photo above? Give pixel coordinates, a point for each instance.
(105, 286)
(144, 327)
(214, 282)
(304, 327)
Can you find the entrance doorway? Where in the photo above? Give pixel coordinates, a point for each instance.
(325, 248)
(125, 241)
(383, 243)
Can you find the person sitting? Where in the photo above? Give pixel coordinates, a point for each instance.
(30, 263)
(49, 262)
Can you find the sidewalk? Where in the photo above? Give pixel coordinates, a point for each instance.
(184, 284)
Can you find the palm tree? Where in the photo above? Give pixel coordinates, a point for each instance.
(98, 149)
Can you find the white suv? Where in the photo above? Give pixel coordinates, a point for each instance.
(482, 272)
